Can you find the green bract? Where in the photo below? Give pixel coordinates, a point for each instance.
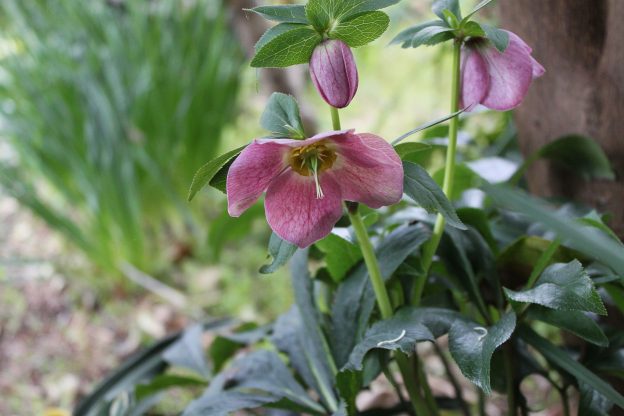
(301, 28)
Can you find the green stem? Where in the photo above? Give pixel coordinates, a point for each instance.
(509, 378)
(449, 174)
(335, 118)
(383, 300)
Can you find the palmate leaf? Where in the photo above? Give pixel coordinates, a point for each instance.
(321, 12)
(563, 287)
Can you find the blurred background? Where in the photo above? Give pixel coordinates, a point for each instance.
(107, 109)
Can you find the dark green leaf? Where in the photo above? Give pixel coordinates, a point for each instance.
(208, 172)
(474, 29)
(592, 403)
(451, 5)
(561, 359)
(349, 385)
(405, 149)
(340, 255)
(574, 321)
(261, 372)
(281, 117)
(282, 13)
(291, 338)
(349, 8)
(405, 37)
(361, 29)
(425, 192)
(324, 367)
(166, 381)
(322, 12)
(584, 239)
(274, 32)
(477, 8)
(498, 37)
(355, 299)
(281, 251)
(431, 35)
(291, 47)
(188, 352)
(563, 287)
(472, 347)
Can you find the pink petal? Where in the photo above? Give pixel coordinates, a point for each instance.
(538, 69)
(368, 170)
(511, 73)
(475, 79)
(252, 172)
(295, 213)
(334, 72)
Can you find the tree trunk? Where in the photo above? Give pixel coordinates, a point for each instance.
(580, 43)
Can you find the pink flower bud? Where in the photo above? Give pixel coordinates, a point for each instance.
(334, 72)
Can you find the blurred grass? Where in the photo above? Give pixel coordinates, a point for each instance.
(109, 108)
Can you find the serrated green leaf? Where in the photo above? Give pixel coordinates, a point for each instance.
(165, 381)
(361, 29)
(207, 173)
(419, 186)
(563, 287)
(405, 37)
(450, 18)
(282, 13)
(281, 117)
(291, 47)
(592, 403)
(472, 347)
(322, 13)
(407, 327)
(349, 385)
(451, 5)
(575, 322)
(281, 251)
(498, 37)
(340, 255)
(561, 358)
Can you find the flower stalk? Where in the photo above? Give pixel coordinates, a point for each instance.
(449, 174)
(381, 294)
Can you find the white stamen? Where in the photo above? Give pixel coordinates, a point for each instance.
(392, 341)
(319, 190)
(482, 331)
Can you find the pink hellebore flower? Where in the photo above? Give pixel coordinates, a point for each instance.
(307, 180)
(334, 72)
(499, 81)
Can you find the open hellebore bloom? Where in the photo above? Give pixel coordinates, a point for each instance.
(307, 180)
(499, 81)
(334, 72)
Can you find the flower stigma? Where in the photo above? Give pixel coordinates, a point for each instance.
(312, 160)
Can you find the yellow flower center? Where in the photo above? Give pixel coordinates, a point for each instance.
(303, 159)
(311, 160)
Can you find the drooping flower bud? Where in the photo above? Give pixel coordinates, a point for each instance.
(334, 72)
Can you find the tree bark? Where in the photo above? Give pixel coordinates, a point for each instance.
(580, 43)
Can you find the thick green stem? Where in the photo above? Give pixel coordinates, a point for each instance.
(449, 174)
(383, 300)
